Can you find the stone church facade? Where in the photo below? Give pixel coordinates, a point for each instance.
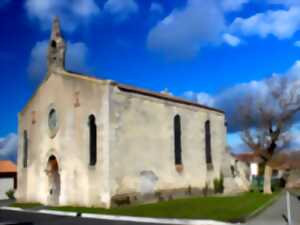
(93, 142)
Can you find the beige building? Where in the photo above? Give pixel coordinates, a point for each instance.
(93, 142)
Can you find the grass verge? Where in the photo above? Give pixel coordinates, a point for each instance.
(231, 209)
(26, 205)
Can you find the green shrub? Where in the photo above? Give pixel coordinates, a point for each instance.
(219, 185)
(10, 194)
(257, 184)
(277, 184)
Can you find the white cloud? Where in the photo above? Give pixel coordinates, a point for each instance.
(202, 98)
(182, 33)
(156, 8)
(76, 56)
(285, 2)
(122, 9)
(233, 5)
(231, 99)
(9, 147)
(297, 43)
(231, 40)
(280, 23)
(295, 138)
(71, 13)
(38, 62)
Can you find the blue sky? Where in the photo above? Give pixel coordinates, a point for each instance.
(203, 50)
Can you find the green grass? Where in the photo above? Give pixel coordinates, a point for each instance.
(26, 205)
(216, 208)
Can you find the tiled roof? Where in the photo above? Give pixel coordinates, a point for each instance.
(166, 97)
(248, 157)
(7, 166)
(281, 160)
(286, 160)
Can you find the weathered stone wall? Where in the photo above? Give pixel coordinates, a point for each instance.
(74, 99)
(142, 144)
(236, 175)
(135, 150)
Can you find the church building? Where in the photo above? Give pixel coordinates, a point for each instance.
(86, 141)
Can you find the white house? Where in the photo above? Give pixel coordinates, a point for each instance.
(8, 176)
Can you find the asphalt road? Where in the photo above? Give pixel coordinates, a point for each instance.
(274, 214)
(46, 219)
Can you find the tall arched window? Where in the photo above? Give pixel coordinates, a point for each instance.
(177, 140)
(25, 148)
(93, 140)
(208, 143)
(53, 44)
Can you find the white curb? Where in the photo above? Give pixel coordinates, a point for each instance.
(121, 218)
(57, 213)
(11, 208)
(152, 220)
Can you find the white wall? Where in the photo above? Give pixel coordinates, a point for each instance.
(81, 184)
(135, 137)
(142, 142)
(5, 185)
(254, 169)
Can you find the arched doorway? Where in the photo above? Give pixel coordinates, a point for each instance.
(53, 181)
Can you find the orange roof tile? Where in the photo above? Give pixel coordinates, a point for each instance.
(7, 166)
(248, 157)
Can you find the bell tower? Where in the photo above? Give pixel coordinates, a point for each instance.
(56, 48)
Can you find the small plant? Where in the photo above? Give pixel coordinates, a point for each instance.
(219, 185)
(11, 194)
(205, 190)
(159, 196)
(189, 190)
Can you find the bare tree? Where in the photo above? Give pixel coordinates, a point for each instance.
(266, 120)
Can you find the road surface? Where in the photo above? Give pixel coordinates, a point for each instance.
(274, 214)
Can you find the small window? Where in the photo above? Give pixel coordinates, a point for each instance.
(208, 144)
(177, 140)
(25, 148)
(93, 140)
(53, 44)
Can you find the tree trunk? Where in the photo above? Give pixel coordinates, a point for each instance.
(267, 180)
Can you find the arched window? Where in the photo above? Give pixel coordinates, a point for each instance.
(177, 140)
(93, 140)
(25, 148)
(53, 44)
(208, 143)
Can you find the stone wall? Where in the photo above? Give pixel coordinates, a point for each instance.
(142, 144)
(74, 99)
(135, 150)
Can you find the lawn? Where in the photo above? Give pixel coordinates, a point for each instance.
(26, 205)
(234, 208)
